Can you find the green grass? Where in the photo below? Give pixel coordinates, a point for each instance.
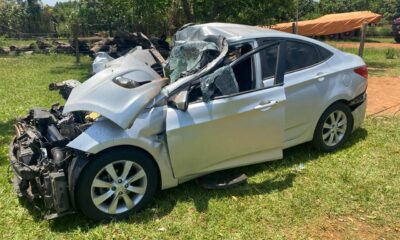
(381, 39)
(378, 63)
(368, 40)
(5, 42)
(360, 182)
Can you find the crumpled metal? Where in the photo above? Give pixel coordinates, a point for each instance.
(221, 82)
(189, 57)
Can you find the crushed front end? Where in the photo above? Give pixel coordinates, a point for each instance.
(40, 159)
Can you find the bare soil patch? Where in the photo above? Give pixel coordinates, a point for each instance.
(347, 227)
(383, 96)
(367, 45)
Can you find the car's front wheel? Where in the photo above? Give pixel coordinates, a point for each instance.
(333, 128)
(116, 184)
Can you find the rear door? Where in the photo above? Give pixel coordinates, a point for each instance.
(229, 131)
(307, 75)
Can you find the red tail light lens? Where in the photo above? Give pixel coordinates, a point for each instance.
(362, 71)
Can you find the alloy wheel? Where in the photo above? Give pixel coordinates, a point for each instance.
(118, 187)
(334, 128)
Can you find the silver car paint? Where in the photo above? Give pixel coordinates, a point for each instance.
(121, 105)
(146, 133)
(339, 83)
(103, 60)
(311, 91)
(225, 122)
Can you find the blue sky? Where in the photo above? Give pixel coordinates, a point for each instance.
(52, 2)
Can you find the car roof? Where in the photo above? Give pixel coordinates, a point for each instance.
(239, 32)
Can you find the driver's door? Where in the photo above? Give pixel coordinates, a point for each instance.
(230, 131)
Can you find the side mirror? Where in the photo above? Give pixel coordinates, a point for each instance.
(180, 101)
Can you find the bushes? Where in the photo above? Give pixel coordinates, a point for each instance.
(380, 31)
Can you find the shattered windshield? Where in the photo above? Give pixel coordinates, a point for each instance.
(190, 57)
(221, 82)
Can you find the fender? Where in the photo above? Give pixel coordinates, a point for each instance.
(147, 133)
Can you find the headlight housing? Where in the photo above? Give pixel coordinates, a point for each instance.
(133, 79)
(125, 82)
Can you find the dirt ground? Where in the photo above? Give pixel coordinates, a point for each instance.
(349, 227)
(367, 45)
(383, 96)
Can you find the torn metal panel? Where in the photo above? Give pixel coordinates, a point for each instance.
(220, 82)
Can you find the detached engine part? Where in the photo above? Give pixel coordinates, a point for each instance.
(64, 87)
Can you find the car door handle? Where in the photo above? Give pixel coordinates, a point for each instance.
(320, 76)
(265, 105)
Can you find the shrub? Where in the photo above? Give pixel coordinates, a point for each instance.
(390, 53)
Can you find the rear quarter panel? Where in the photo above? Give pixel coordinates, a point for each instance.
(341, 83)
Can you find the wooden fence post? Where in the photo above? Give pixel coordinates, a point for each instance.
(362, 40)
(75, 33)
(294, 28)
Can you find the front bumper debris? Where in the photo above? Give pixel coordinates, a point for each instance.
(40, 159)
(46, 191)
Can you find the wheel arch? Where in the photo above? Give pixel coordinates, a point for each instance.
(341, 100)
(132, 148)
(79, 163)
(313, 127)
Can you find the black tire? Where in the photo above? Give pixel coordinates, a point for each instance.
(397, 39)
(84, 191)
(318, 140)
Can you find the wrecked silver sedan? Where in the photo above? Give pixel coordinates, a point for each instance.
(229, 95)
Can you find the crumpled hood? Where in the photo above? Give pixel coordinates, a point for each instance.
(121, 105)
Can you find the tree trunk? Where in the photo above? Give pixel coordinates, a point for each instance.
(188, 10)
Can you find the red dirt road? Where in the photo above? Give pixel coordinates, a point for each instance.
(383, 96)
(367, 45)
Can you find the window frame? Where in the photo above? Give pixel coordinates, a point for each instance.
(280, 66)
(253, 61)
(278, 78)
(313, 45)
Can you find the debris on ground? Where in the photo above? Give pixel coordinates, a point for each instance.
(64, 87)
(116, 46)
(222, 180)
(124, 41)
(299, 168)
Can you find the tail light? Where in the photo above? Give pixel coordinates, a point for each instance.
(362, 71)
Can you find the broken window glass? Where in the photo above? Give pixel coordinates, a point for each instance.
(189, 57)
(219, 83)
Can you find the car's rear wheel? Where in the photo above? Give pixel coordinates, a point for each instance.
(116, 184)
(333, 128)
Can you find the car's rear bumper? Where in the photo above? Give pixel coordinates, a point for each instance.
(359, 114)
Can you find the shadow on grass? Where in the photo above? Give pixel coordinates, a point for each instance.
(165, 201)
(73, 67)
